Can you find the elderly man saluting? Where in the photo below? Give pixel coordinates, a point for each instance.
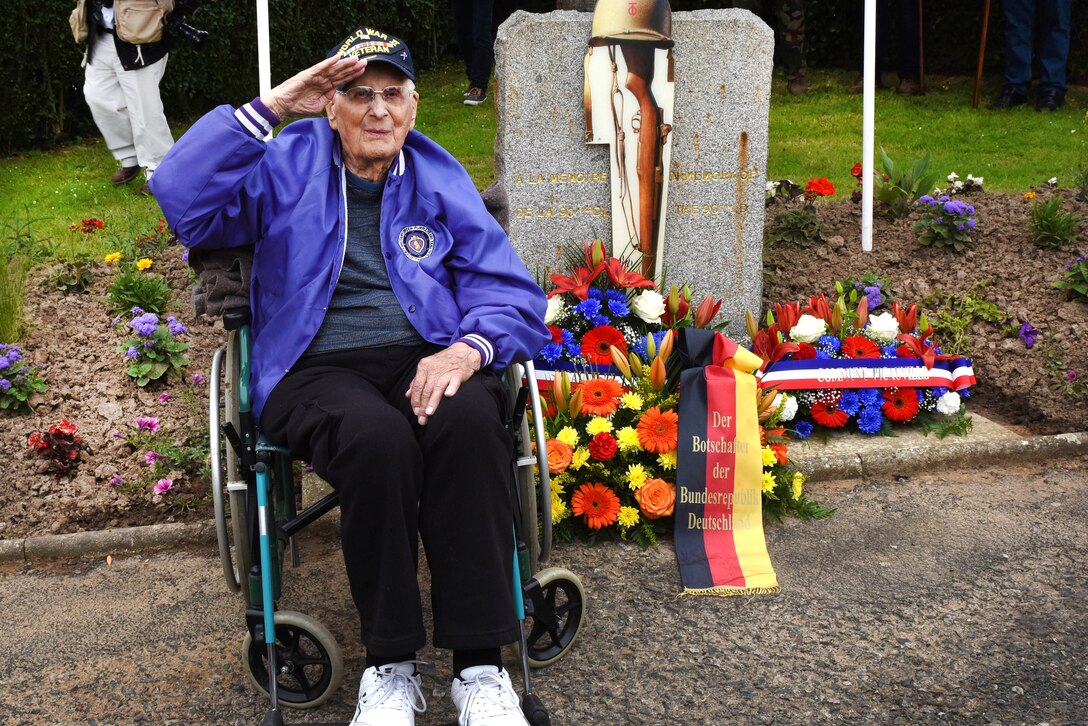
(385, 298)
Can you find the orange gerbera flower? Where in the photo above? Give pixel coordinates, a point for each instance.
(900, 404)
(657, 430)
(600, 396)
(597, 503)
(597, 344)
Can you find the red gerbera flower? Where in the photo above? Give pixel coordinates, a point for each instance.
(806, 351)
(597, 503)
(858, 346)
(900, 404)
(600, 396)
(828, 413)
(597, 343)
(557, 333)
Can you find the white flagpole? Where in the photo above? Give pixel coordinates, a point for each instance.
(264, 56)
(867, 123)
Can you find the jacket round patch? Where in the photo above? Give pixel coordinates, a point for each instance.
(416, 242)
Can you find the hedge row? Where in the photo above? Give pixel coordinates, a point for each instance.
(41, 102)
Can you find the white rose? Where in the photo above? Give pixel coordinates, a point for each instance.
(809, 329)
(648, 306)
(949, 403)
(788, 405)
(883, 327)
(556, 309)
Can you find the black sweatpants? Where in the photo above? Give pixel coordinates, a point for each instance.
(472, 19)
(447, 482)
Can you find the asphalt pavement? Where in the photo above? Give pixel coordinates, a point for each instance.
(947, 593)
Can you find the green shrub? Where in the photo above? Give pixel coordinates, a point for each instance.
(1052, 226)
(902, 186)
(154, 352)
(74, 275)
(1075, 278)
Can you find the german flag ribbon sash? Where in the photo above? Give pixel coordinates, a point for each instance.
(720, 547)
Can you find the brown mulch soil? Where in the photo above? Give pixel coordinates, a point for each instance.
(72, 336)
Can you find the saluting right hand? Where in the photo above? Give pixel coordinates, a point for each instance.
(308, 92)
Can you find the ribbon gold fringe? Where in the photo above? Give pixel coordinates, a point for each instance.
(723, 591)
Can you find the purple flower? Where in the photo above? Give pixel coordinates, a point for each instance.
(5, 384)
(145, 324)
(970, 224)
(14, 354)
(1071, 375)
(137, 311)
(163, 485)
(176, 328)
(1028, 335)
(164, 397)
(197, 379)
(116, 479)
(147, 423)
(185, 256)
(4, 362)
(132, 352)
(875, 298)
(151, 457)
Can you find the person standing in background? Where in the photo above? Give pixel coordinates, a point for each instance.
(791, 34)
(1044, 25)
(125, 61)
(476, 44)
(910, 51)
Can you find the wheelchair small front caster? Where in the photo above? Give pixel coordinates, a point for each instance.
(308, 658)
(559, 608)
(534, 711)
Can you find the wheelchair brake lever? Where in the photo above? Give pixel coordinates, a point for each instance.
(232, 436)
(519, 406)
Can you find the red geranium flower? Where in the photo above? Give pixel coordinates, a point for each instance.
(856, 171)
(806, 351)
(900, 404)
(829, 414)
(821, 187)
(602, 447)
(597, 344)
(858, 346)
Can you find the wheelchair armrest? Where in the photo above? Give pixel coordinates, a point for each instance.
(235, 318)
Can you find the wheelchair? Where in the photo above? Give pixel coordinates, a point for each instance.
(256, 519)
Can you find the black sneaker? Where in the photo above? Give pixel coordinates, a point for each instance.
(1049, 100)
(1009, 99)
(475, 96)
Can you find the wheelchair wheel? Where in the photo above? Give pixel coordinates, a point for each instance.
(559, 610)
(222, 409)
(307, 656)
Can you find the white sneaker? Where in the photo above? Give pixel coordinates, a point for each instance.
(389, 695)
(484, 696)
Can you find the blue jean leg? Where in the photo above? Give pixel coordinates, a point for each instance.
(1019, 18)
(1055, 23)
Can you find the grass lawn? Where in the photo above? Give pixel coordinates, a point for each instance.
(812, 135)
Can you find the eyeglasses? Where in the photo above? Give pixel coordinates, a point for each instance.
(395, 96)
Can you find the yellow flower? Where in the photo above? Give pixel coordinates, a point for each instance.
(768, 456)
(143, 263)
(581, 456)
(598, 424)
(636, 476)
(667, 460)
(1029, 196)
(768, 482)
(632, 401)
(568, 435)
(627, 438)
(628, 517)
(112, 257)
(798, 482)
(559, 510)
(557, 485)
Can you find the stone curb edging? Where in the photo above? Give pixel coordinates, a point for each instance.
(910, 459)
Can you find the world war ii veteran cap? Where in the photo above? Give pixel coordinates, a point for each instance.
(375, 46)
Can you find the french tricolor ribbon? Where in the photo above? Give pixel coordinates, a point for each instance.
(791, 375)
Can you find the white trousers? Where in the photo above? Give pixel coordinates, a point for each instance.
(127, 108)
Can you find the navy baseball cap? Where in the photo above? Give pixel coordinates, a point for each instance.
(374, 46)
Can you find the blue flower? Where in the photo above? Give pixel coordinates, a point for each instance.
(870, 420)
(185, 256)
(970, 224)
(617, 307)
(132, 352)
(595, 293)
(5, 384)
(850, 402)
(944, 198)
(829, 343)
(551, 352)
(939, 391)
(925, 198)
(599, 320)
(588, 308)
(964, 393)
(145, 324)
(970, 209)
(1027, 334)
(802, 430)
(4, 362)
(887, 351)
(869, 396)
(137, 311)
(875, 298)
(14, 354)
(823, 355)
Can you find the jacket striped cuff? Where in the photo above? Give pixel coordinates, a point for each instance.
(256, 118)
(485, 347)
